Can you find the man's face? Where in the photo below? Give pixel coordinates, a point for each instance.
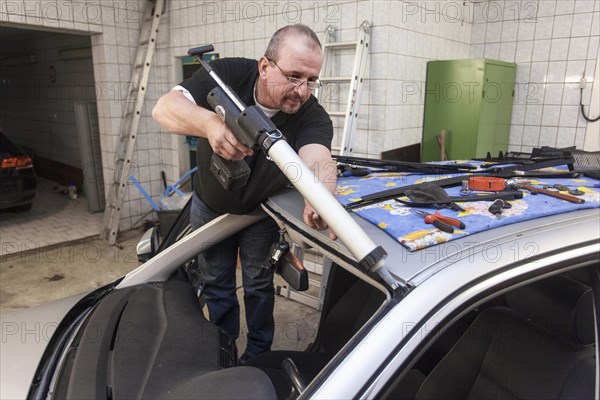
(296, 60)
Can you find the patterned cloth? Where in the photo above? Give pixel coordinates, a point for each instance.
(410, 229)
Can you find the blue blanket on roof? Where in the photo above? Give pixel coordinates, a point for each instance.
(410, 229)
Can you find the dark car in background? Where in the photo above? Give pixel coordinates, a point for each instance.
(18, 183)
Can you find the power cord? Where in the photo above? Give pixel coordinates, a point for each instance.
(587, 118)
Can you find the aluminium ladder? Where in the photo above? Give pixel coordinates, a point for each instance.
(313, 259)
(134, 104)
(331, 55)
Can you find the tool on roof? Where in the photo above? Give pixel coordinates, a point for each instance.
(497, 206)
(535, 190)
(486, 184)
(564, 188)
(443, 223)
(509, 171)
(348, 170)
(256, 129)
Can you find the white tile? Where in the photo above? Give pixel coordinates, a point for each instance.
(477, 51)
(580, 137)
(542, 8)
(566, 137)
(523, 71)
(559, 49)
(556, 71)
(564, 7)
(571, 95)
(553, 93)
(541, 50)
(524, 50)
(509, 30)
(526, 30)
(478, 33)
(533, 114)
(493, 32)
(550, 115)
(518, 114)
(562, 26)
(593, 48)
(539, 72)
(548, 136)
(531, 135)
(582, 23)
(516, 134)
(507, 51)
(584, 6)
(492, 50)
(595, 24)
(575, 70)
(578, 48)
(543, 28)
(569, 116)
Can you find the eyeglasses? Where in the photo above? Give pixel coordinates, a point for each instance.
(312, 84)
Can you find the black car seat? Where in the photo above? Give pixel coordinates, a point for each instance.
(539, 347)
(346, 317)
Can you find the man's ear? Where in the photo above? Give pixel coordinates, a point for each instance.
(263, 64)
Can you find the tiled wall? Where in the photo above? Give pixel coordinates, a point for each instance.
(404, 36)
(555, 45)
(552, 41)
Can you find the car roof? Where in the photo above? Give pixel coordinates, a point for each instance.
(502, 245)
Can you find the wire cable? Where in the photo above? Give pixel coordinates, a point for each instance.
(583, 110)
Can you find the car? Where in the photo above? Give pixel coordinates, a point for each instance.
(508, 310)
(18, 183)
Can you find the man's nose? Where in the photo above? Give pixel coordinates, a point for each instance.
(303, 90)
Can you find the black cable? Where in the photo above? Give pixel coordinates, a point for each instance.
(583, 111)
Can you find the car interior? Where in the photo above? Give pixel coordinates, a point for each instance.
(535, 341)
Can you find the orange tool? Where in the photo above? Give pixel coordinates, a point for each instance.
(441, 222)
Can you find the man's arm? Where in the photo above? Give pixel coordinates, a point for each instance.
(318, 158)
(178, 114)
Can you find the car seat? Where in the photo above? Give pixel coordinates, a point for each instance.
(344, 319)
(539, 347)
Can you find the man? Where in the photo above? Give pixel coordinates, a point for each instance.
(281, 84)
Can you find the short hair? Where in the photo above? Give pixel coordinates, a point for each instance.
(278, 39)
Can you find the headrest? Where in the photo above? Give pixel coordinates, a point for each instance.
(559, 304)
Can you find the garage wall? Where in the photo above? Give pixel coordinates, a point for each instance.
(555, 45)
(112, 28)
(37, 97)
(404, 36)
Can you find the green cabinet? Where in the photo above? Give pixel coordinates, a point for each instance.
(471, 100)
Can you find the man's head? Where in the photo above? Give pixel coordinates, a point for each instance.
(291, 63)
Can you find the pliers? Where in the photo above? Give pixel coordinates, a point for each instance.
(443, 223)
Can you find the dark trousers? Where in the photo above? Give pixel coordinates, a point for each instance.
(218, 284)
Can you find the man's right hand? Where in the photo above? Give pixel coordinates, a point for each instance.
(224, 142)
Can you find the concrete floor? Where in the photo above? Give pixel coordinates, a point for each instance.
(53, 219)
(45, 274)
(53, 251)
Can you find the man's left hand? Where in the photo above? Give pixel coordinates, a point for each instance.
(314, 220)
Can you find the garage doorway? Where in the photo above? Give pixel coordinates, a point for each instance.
(48, 108)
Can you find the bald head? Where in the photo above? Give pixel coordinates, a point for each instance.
(280, 37)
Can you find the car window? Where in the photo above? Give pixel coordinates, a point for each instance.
(534, 341)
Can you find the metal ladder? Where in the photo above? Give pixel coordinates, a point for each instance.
(331, 48)
(134, 103)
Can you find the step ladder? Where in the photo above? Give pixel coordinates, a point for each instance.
(134, 104)
(332, 53)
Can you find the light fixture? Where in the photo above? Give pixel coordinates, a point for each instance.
(75, 54)
(20, 60)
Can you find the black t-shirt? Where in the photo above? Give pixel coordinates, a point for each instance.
(311, 124)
